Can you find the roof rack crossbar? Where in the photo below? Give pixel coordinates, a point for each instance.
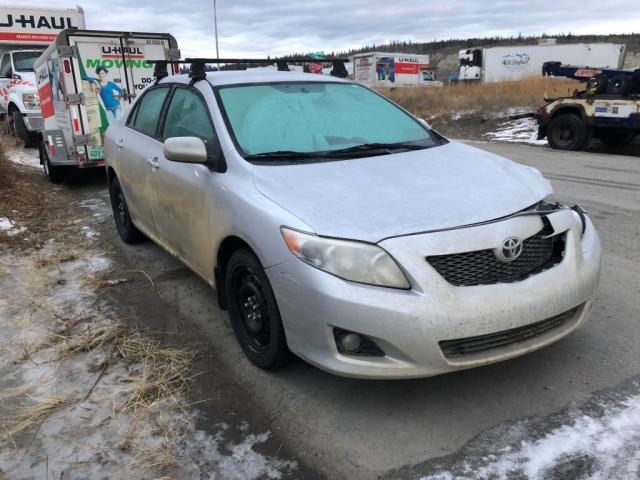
(198, 65)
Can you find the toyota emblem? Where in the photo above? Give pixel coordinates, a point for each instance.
(510, 249)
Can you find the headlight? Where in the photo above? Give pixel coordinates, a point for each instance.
(31, 101)
(353, 261)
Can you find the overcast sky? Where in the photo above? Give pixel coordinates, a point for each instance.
(271, 27)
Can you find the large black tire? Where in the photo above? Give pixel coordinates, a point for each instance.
(30, 139)
(597, 84)
(254, 313)
(620, 84)
(54, 173)
(567, 132)
(126, 229)
(613, 137)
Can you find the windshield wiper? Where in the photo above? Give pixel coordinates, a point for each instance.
(292, 155)
(283, 154)
(380, 146)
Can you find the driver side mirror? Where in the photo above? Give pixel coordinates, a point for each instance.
(185, 149)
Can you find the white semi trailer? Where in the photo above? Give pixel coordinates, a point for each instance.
(507, 64)
(25, 32)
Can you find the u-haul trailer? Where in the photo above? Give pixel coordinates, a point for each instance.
(86, 79)
(379, 69)
(24, 34)
(514, 63)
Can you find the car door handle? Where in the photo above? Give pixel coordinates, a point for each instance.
(153, 163)
(120, 144)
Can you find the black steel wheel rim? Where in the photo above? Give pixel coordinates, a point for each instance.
(564, 134)
(120, 210)
(252, 309)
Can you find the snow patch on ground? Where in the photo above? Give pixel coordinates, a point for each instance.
(94, 436)
(521, 130)
(28, 157)
(589, 446)
(10, 228)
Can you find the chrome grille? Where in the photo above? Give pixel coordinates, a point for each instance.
(464, 347)
(482, 267)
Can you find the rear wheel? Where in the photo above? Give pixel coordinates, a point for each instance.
(126, 229)
(54, 173)
(567, 132)
(254, 313)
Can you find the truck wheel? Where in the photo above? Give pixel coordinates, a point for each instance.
(20, 129)
(620, 85)
(126, 229)
(55, 174)
(613, 137)
(566, 132)
(254, 313)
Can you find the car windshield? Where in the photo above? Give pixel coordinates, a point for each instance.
(24, 61)
(311, 119)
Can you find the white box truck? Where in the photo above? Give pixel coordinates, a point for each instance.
(24, 34)
(85, 79)
(507, 64)
(379, 69)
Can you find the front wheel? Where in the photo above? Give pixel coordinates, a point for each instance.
(567, 132)
(20, 129)
(126, 229)
(254, 313)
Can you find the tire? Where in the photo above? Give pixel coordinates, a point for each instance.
(126, 229)
(55, 174)
(254, 313)
(620, 85)
(567, 132)
(597, 84)
(613, 137)
(587, 138)
(20, 129)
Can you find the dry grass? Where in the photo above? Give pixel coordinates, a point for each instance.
(482, 98)
(6, 167)
(164, 375)
(33, 415)
(477, 107)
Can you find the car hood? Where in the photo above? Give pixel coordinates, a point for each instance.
(26, 83)
(378, 197)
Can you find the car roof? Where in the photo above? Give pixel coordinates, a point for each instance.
(234, 77)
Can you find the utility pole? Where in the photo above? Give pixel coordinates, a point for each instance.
(215, 26)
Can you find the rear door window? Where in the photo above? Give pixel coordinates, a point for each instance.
(188, 116)
(147, 113)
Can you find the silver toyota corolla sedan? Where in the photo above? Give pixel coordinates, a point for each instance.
(335, 225)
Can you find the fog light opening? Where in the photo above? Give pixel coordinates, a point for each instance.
(351, 343)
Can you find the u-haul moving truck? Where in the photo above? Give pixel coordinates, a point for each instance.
(379, 69)
(24, 34)
(85, 80)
